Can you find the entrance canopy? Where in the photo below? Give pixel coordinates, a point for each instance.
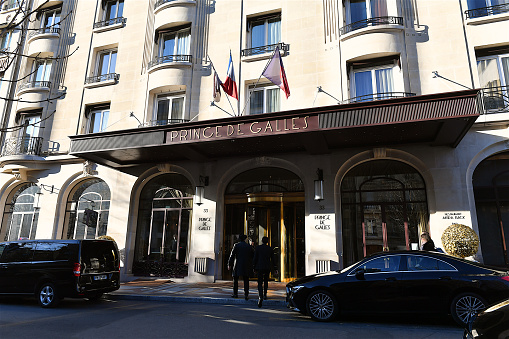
(438, 120)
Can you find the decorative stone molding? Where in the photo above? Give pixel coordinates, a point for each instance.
(164, 168)
(263, 161)
(379, 153)
(89, 168)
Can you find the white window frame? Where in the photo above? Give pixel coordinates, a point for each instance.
(160, 47)
(100, 54)
(265, 103)
(367, 3)
(109, 3)
(31, 125)
(52, 13)
(101, 121)
(170, 97)
(396, 80)
(266, 29)
(6, 41)
(46, 70)
(498, 58)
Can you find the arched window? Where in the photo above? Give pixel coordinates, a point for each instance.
(22, 213)
(87, 210)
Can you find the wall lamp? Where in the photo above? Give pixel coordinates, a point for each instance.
(319, 185)
(200, 190)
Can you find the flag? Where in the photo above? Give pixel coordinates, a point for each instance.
(229, 86)
(217, 88)
(275, 72)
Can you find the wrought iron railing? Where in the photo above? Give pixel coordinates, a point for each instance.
(378, 96)
(22, 145)
(163, 122)
(34, 84)
(44, 30)
(495, 99)
(169, 58)
(103, 77)
(265, 49)
(377, 21)
(161, 2)
(485, 11)
(110, 22)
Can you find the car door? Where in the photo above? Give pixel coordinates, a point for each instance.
(15, 269)
(373, 286)
(427, 283)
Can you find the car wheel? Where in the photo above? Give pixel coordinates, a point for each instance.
(322, 306)
(466, 306)
(47, 295)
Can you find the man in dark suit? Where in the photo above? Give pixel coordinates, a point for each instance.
(264, 263)
(241, 260)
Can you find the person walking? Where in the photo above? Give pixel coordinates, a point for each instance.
(263, 263)
(241, 261)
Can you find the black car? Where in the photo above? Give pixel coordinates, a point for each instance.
(54, 269)
(490, 323)
(401, 282)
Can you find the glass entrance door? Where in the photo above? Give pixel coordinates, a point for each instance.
(279, 220)
(384, 228)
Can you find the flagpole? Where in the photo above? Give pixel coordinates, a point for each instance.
(257, 81)
(212, 64)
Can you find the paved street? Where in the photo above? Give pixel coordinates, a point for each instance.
(154, 319)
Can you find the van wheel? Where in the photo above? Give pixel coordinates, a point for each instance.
(47, 295)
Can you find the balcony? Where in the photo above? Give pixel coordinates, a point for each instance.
(109, 24)
(378, 21)
(284, 48)
(170, 59)
(22, 146)
(102, 80)
(378, 96)
(495, 99)
(163, 122)
(486, 11)
(35, 85)
(44, 30)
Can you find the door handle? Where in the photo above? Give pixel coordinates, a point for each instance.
(390, 279)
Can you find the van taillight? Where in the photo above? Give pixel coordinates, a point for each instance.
(506, 278)
(77, 269)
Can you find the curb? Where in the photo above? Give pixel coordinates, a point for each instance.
(198, 300)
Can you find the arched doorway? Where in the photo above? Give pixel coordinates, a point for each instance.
(87, 210)
(22, 213)
(164, 221)
(384, 207)
(491, 192)
(267, 202)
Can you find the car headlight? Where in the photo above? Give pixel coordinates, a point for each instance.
(295, 289)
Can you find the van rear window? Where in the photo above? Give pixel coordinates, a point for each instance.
(98, 256)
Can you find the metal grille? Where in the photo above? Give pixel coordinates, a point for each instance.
(265, 49)
(110, 22)
(169, 58)
(383, 20)
(485, 11)
(200, 265)
(22, 145)
(322, 266)
(103, 77)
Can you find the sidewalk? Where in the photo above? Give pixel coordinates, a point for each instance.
(176, 290)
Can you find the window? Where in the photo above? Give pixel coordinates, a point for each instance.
(480, 8)
(42, 71)
(18, 252)
(113, 10)
(10, 4)
(22, 213)
(420, 263)
(169, 109)
(50, 22)
(106, 61)
(382, 264)
(375, 81)
(494, 79)
(174, 44)
(358, 11)
(31, 125)
(98, 119)
(264, 32)
(264, 100)
(6, 40)
(88, 210)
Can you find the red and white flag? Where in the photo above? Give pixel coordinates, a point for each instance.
(229, 86)
(217, 88)
(275, 72)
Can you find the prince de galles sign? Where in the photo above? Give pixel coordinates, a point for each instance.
(244, 129)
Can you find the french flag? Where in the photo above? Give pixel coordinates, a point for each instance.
(229, 86)
(275, 72)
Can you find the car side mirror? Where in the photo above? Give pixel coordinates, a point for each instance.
(359, 274)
